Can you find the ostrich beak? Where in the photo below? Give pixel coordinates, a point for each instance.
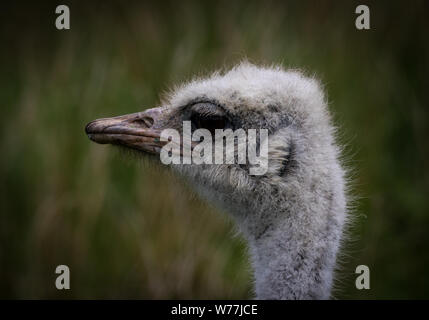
(135, 130)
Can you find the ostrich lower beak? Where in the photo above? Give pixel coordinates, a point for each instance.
(135, 130)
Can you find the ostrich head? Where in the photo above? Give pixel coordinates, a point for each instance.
(293, 214)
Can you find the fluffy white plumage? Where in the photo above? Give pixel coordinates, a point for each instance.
(292, 217)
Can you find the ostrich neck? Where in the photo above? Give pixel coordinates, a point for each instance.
(293, 245)
(294, 258)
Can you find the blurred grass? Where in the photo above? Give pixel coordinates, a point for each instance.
(128, 230)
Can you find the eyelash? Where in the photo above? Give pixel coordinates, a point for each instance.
(209, 122)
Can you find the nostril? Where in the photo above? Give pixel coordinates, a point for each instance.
(144, 122)
(149, 121)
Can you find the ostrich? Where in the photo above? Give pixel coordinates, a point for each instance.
(293, 216)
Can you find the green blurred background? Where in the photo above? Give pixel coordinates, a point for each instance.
(128, 230)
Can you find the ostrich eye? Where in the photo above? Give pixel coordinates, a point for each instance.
(209, 122)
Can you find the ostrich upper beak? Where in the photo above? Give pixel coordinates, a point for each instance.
(136, 130)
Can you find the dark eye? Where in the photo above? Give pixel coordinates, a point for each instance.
(208, 122)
